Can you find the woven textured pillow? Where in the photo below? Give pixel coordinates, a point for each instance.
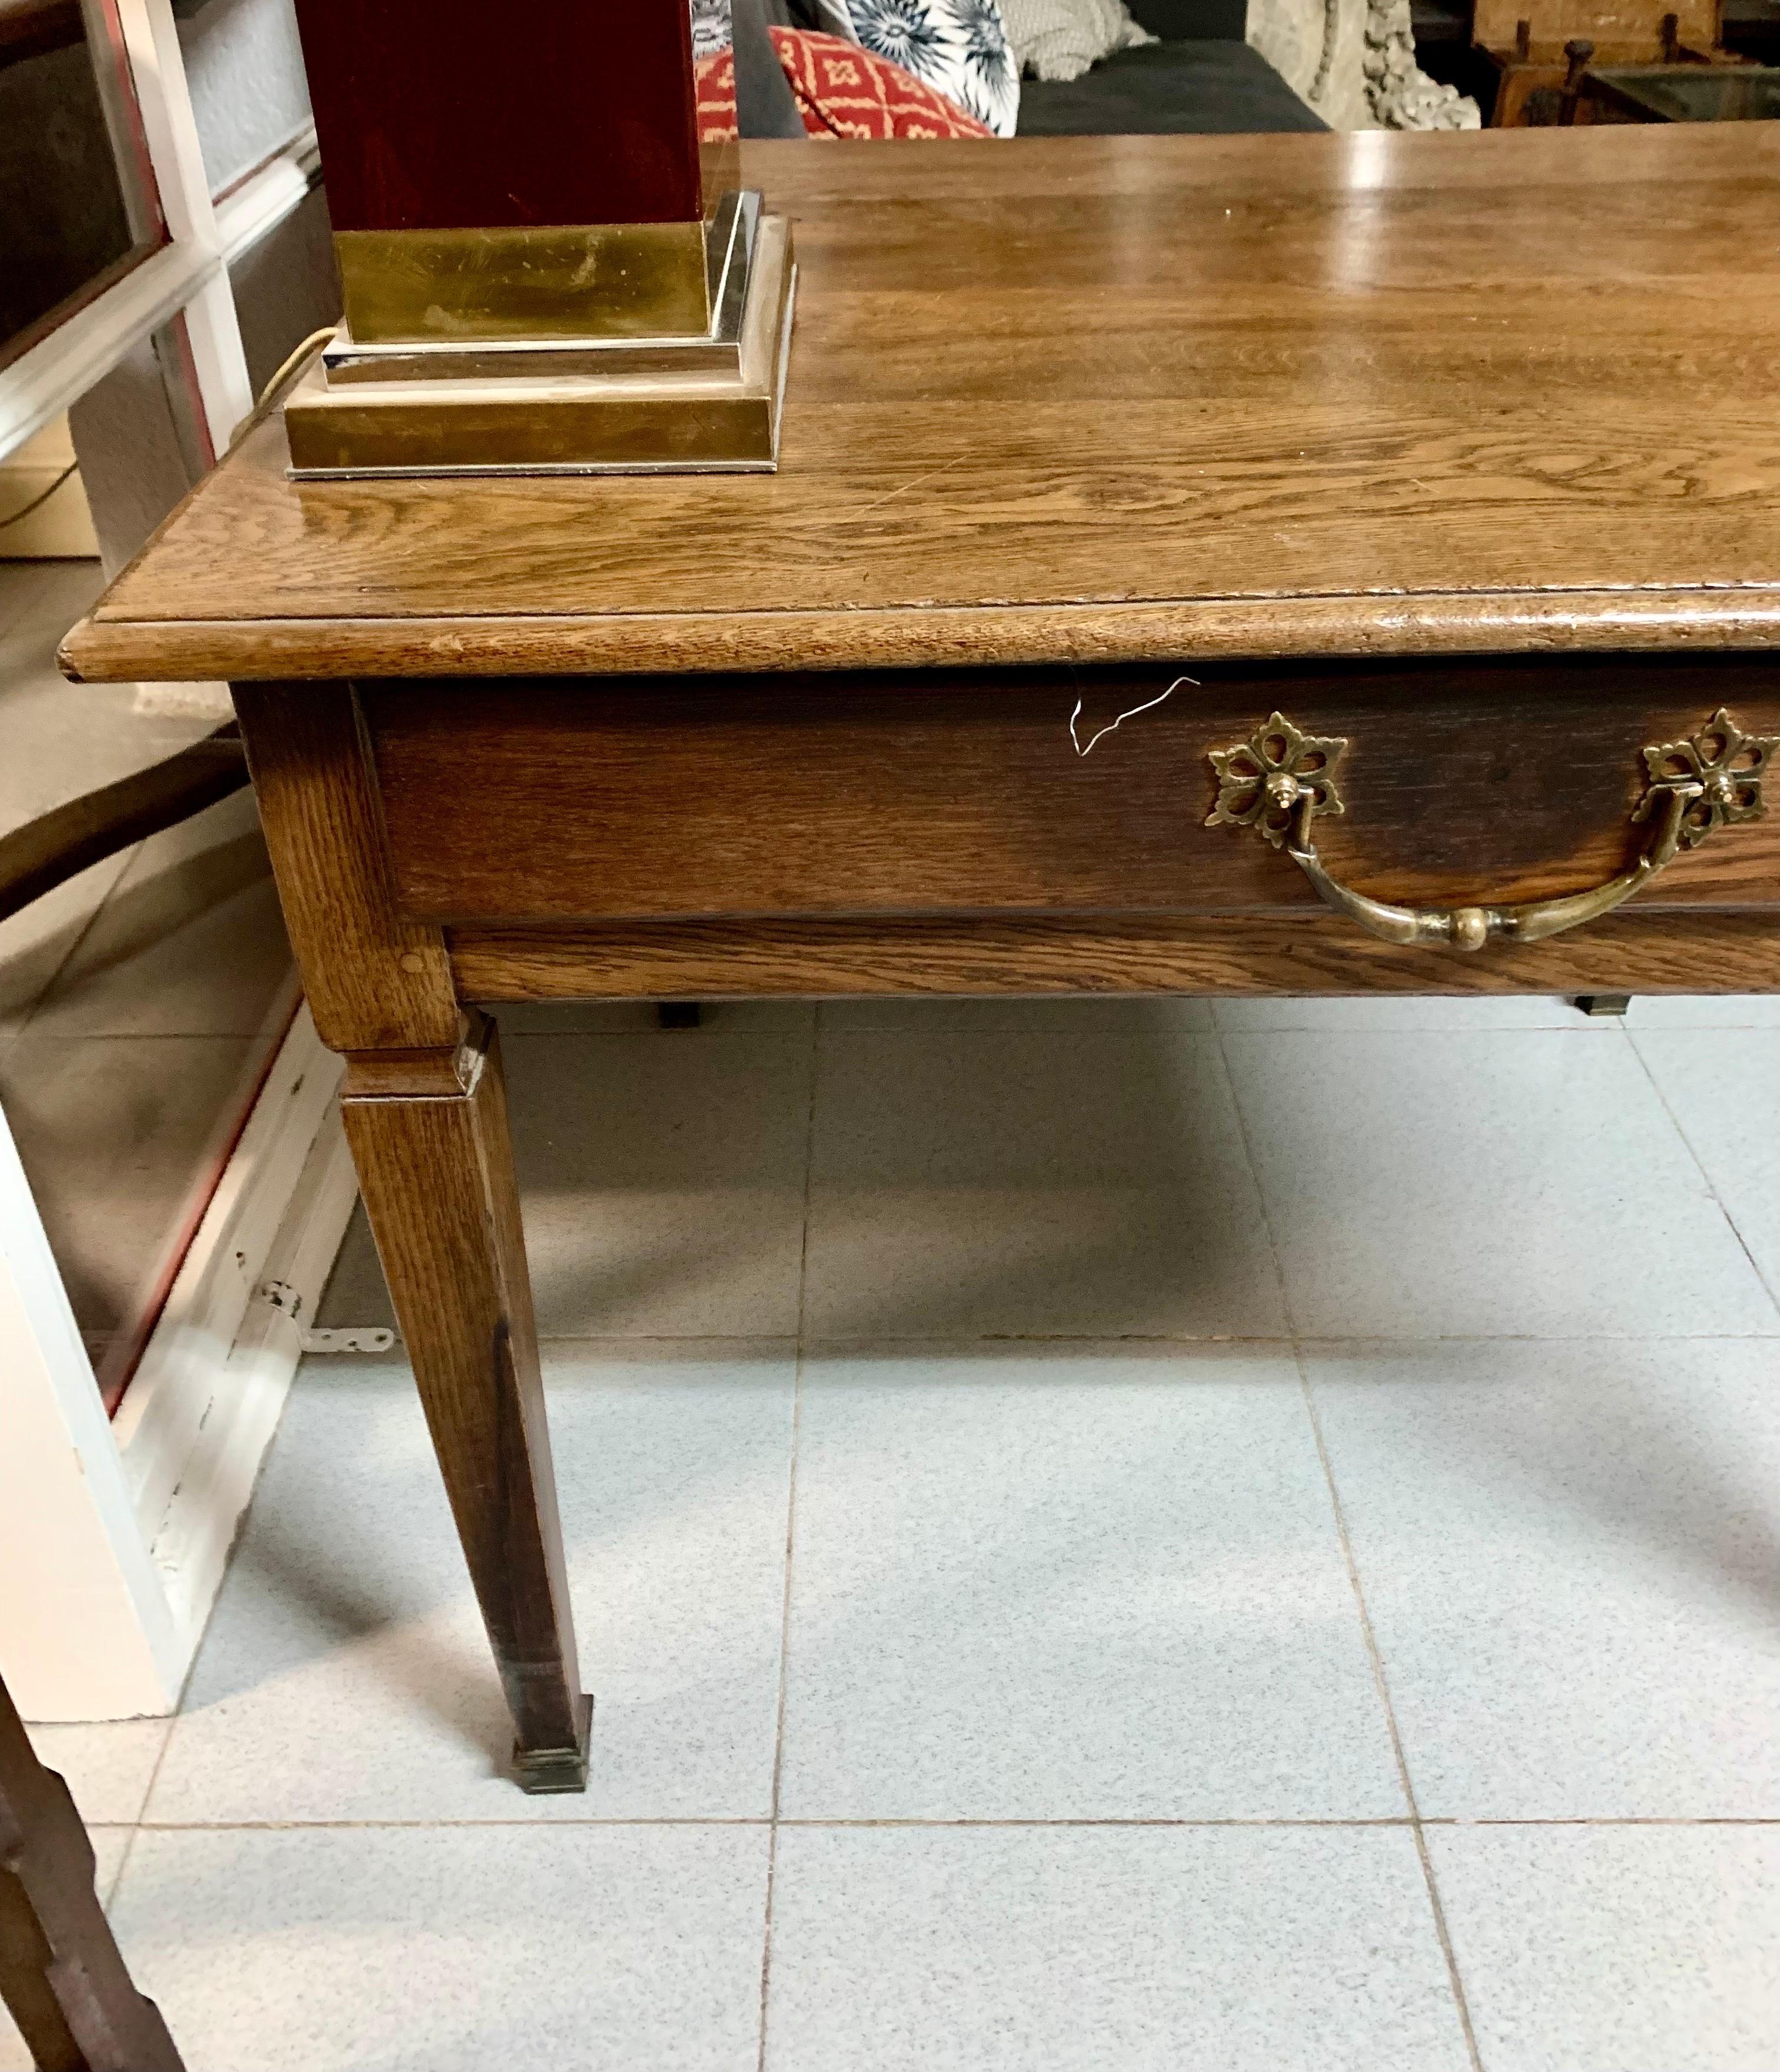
(959, 47)
(1061, 39)
(840, 90)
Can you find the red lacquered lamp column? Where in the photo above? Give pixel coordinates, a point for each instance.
(529, 266)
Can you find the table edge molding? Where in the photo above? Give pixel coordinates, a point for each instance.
(102, 649)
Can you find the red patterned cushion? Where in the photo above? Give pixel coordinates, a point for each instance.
(841, 91)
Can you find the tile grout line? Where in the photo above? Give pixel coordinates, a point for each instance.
(138, 1824)
(1379, 1682)
(1382, 1683)
(116, 1886)
(1260, 1338)
(778, 1726)
(545, 1825)
(1719, 1203)
(790, 1539)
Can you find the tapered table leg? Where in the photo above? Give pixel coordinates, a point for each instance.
(436, 1169)
(61, 1976)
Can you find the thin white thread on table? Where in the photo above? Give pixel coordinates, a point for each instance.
(1148, 705)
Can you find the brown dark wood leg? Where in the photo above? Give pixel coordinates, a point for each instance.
(426, 1118)
(428, 1134)
(60, 1972)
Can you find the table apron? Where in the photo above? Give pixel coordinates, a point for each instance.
(965, 794)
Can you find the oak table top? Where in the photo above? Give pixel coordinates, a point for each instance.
(1067, 399)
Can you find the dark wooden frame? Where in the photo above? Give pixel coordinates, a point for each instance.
(61, 1974)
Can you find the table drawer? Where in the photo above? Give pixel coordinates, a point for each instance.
(553, 801)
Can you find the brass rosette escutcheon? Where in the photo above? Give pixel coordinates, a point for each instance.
(1263, 781)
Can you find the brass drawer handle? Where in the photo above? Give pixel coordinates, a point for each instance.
(1281, 778)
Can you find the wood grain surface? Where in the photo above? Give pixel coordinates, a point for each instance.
(444, 1207)
(1626, 952)
(1080, 399)
(944, 792)
(374, 981)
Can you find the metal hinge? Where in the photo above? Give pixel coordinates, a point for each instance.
(314, 1338)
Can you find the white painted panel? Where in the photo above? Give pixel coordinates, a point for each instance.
(86, 1629)
(181, 1377)
(114, 1537)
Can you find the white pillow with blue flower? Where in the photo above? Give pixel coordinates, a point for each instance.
(712, 33)
(959, 47)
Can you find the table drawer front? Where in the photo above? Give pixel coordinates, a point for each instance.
(559, 802)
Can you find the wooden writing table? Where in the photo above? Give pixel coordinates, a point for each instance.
(1461, 453)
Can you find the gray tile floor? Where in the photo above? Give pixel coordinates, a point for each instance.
(137, 1001)
(1104, 1535)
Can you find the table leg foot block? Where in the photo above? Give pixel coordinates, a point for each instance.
(558, 1769)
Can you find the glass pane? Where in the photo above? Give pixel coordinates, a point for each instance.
(1702, 93)
(75, 204)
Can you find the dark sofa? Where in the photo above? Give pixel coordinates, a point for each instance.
(1201, 77)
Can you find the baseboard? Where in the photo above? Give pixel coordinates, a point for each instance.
(203, 1513)
(195, 1423)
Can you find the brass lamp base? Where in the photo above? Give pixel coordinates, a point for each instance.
(706, 401)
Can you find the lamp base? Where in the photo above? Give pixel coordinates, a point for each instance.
(706, 402)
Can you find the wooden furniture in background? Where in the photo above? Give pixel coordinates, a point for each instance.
(1539, 48)
(1401, 435)
(61, 1976)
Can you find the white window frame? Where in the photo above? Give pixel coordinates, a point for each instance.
(114, 1534)
(185, 283)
